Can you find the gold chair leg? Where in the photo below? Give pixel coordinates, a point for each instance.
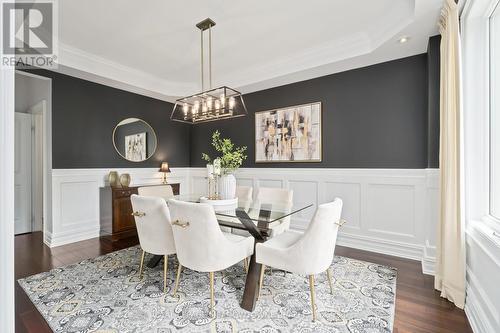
(261, 279)
(177, 278)
(245, 264)
(311, 286)
(142, 263)
(212, 313)
(329, 274)
(165, 267)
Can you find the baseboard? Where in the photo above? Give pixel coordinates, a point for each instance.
(428, 265)
(472, 310)
(53, 240)
(383, 246)
(429, 259)
(476, 310)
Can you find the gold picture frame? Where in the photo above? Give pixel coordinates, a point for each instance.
(154, 137)
(286, 150)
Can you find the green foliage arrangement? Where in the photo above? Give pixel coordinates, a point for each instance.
(231, 157)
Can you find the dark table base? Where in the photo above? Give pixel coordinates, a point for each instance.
(153, 262)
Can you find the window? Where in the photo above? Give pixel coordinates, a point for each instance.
(495, 113)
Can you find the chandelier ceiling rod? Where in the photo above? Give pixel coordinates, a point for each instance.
(202, 70)
(206, 24)
(210, 57)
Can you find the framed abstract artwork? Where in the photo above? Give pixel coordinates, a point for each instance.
(291, 134)
(135, 147)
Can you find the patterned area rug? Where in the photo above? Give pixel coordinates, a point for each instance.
(105, 294)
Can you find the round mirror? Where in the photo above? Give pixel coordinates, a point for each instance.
(134, 139)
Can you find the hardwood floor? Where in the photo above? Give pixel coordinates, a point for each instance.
(418, 306)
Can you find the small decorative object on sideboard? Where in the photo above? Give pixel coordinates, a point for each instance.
(211, 182)
(125, 180)
(225, 165)
(113, 179)
(165, 169)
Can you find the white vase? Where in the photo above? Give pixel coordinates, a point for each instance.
(227, 187)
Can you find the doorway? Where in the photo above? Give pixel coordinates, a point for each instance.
(23, 215)
(32, 153)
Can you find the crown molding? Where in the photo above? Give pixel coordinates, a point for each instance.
(75, 62)
(384, 33)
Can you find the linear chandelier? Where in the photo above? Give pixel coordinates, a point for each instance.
(213, 103)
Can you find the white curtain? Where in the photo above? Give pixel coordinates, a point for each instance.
(450, 266)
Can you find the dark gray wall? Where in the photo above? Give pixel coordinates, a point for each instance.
(381, 116)
(84, 115)
(433, 77)
(373, 117)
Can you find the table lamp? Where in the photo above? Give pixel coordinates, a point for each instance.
(165, 169)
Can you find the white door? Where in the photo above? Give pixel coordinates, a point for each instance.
(38, 113)
(22, 173)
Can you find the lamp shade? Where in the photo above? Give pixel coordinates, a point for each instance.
(164, 167)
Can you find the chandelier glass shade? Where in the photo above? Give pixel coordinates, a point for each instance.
(214, 103)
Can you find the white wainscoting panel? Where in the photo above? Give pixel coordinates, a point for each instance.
(482, 304)
(245, 182)
(390, 211)
(304, 192)
(76, 205)
(198, 183)
(351, 197)
(432, 214)
(75, 199)
(269, 183)
(394, 216)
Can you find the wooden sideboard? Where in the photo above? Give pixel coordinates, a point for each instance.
(116, 217)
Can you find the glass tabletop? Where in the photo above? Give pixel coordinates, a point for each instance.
(254, 210)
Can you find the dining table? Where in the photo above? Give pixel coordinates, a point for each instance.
(255, 217)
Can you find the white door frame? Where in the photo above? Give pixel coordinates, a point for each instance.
(6, 194)
(47, 156)
(23, 218)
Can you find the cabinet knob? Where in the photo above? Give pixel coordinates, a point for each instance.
(138, 214)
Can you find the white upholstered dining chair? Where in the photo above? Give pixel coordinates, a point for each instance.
(244, 195)
(278, 197)
(162, 191)
(201, 245)
(275, 198)
(307, 253)
(152, 219)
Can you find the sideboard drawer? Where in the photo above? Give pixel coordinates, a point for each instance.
(124, 193)
(122, 215)
(117, 221)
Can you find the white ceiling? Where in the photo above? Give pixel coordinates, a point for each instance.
(153, 47)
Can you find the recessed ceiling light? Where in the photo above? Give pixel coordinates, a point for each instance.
(403, 39)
